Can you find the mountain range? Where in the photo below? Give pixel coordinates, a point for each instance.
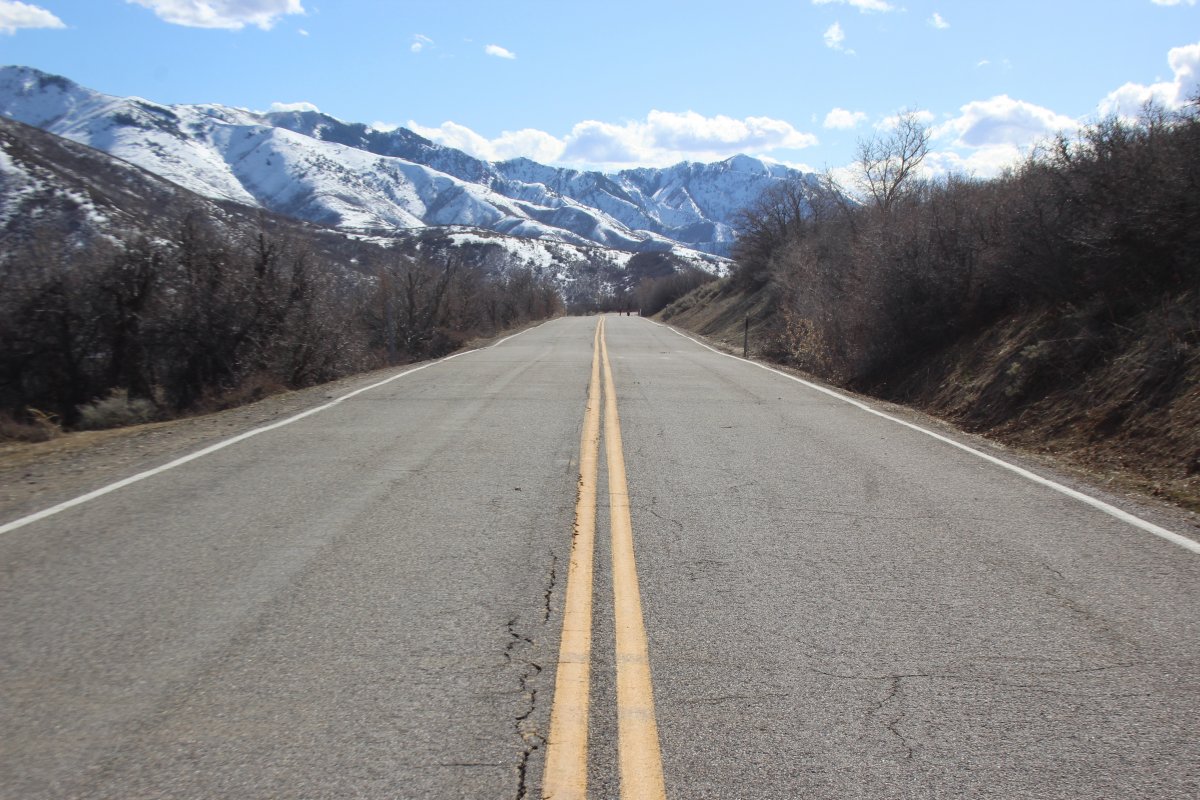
(313, 167)
(57, 195)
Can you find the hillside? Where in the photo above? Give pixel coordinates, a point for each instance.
(49, 183)
(127, 292)
(129, 298)
(1056, 309)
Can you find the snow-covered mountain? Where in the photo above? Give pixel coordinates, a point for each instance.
(57, 191)
(316, 168)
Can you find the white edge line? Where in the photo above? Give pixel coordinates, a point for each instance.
(1100, 505)
(141, 476)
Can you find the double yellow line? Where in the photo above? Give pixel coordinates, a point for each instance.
(640, 759)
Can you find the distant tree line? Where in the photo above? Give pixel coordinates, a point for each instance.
(117, 332)
(1103, 227)
(648, 282)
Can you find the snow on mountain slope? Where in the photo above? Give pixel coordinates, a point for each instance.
(60, 190)
(689, 203)
(582, 272)
(317, 168)
(57, 191)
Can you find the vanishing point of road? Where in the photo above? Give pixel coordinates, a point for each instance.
(596, 559)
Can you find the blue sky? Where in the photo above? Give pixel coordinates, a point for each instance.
(619, 83)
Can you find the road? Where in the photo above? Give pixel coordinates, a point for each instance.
(368, 602)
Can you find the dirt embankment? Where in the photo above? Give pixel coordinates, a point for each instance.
(1118, 403)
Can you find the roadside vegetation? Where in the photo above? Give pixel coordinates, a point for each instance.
(1057, 306)
(117, 333)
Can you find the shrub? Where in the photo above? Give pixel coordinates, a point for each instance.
(39, 427)
(115, 411)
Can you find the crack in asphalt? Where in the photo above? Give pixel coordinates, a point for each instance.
(650, 509)
(1057, 572)
(730, 698)
(549, 593)
(968, 678)
(531, 739)
(896, 693)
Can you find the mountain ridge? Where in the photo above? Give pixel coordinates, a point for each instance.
(318, 168)
(56, 190)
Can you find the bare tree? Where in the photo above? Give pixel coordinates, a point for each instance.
(767, 223)
(886, 162)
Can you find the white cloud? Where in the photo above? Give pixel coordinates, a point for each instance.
(841, 119)
(530, 143)
(1185, 63)
(420, 42)
(1004, 64)
(226, 14)
(938, 21)
(499, 52)
(988, 136)
(862, 5)
(692, 132)
(1128, 100)
(1002, 121)
(920, 115)
(983, 162)
(835, 39)
(15, 15)
(1173, 2)
(302, 32)
(285, 107)
(661, 139)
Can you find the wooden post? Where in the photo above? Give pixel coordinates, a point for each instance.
(746, 339)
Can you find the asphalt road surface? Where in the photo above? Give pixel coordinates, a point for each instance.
(368, 603)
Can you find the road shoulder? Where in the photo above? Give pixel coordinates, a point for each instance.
(1119, 490)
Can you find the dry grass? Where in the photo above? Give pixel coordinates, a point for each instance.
(38, 426)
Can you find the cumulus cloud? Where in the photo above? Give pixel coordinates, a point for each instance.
(660, 139)
(841, 119)
(862, 5)
(285, 107)
(15, 15)
(1130, 99)
(530, 143)
(938, 21)
(982, 162)
(1002, 121)
(420, 42)
(226, 14)
(499, 52)
(835, 38)
(989, 135)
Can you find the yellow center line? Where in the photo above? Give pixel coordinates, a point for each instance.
(565, 776)
(638, 749)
